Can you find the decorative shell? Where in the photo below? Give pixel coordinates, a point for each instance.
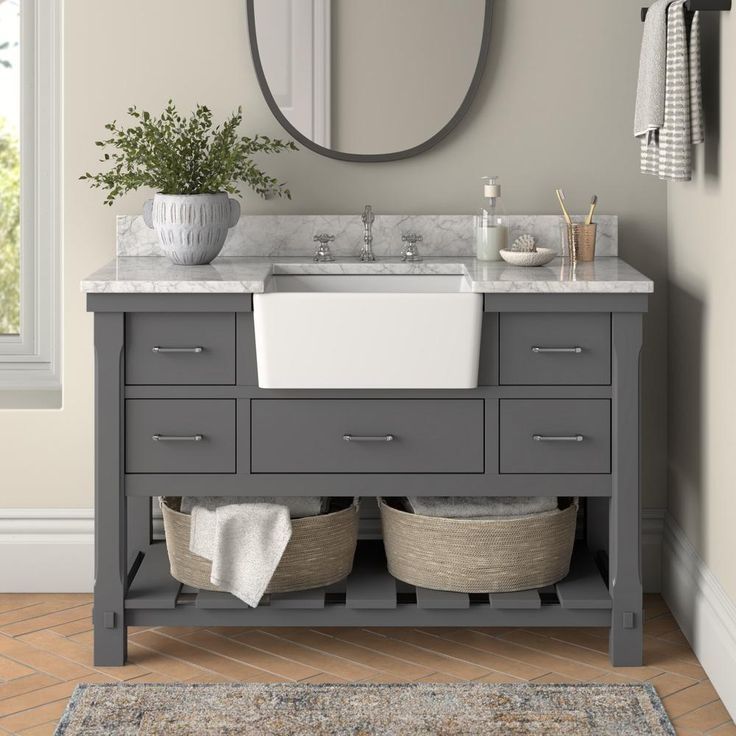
(525, 244)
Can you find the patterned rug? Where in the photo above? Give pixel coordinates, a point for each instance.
(364, 710)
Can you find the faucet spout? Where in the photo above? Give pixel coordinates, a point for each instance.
(366, 252)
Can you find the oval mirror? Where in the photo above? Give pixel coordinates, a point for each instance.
(369, 80)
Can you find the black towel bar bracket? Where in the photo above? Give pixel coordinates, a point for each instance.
(693, 5)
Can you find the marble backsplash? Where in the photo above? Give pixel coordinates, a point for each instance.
(291, 235)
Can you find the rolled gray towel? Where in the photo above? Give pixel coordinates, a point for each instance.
(471, 507)
(298, 506)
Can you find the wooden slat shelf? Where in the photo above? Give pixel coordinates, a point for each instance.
(153, 586)
(369, 585)
(521, 599)
(369, 597)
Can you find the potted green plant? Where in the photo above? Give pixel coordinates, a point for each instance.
(192, 165)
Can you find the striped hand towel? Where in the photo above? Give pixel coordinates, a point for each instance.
(667, 152)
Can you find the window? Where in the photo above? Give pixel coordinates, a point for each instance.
(9, 169)
(29, 193)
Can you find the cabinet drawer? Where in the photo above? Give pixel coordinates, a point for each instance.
(309, 436)
(555, 436)
(555, 349)
(180, 436)
(180, 348)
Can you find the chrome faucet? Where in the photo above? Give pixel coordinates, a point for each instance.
(366, 252)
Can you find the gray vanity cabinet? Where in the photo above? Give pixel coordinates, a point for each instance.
(556, 412)
(367, 436)
(566, 436)
(180, 436)
(545, 349)
(174, 349)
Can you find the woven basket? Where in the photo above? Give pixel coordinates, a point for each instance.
(320, 551)
(479, 555)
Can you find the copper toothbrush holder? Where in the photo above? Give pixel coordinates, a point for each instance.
(578, 241)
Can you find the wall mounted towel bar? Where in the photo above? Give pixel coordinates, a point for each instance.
(693, 5)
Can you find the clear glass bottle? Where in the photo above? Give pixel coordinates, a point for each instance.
(491, 224)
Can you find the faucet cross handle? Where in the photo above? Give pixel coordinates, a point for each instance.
(323, 253)
(411, 238)
(411, 252)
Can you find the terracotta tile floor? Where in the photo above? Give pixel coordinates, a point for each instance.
(46, 649)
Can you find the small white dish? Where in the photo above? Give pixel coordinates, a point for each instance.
(526, 258)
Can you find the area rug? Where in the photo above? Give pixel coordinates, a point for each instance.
(364, 710)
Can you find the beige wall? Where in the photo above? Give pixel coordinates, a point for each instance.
(702, 321)
(555, 108)
(400, 70)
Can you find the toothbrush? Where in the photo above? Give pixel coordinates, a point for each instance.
(593, 203)
(561, 199)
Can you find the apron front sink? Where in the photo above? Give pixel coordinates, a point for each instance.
(340, 331)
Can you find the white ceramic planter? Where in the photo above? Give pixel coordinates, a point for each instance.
(191, 227)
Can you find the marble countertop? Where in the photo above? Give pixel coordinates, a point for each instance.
(241, 275)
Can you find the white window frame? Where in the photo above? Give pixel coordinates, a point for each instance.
(32, 360)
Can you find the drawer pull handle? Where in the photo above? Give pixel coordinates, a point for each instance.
(177, 437)
(576, 349)
(368, 438)
(159, 349)
(554, 438)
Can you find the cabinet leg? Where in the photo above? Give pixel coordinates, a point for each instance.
(111, 577)
(626, 638)
(625, 644)
(627, 629)
(111, 573)
(111, 636)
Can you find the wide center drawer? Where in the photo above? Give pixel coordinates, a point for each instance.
(555, 435)
(180, 436)
(179, 348)
(367, 436)
(558, 348)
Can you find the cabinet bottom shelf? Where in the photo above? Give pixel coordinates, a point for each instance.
(369, 596)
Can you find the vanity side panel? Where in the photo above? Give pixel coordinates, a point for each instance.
(627, 626)
(111, 559)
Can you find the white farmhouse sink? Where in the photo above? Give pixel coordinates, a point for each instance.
(367, 331)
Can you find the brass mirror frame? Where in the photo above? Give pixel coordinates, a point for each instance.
(372, 157)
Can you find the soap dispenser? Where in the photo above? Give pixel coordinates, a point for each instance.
(491, 225)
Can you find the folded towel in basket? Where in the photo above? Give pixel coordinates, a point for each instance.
(298, 506)
(245, 538)
(244, 542)
(471, 507)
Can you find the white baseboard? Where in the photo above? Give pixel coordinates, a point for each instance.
(652, 531)
(46, 550)
(52, 550)
(706, 615)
